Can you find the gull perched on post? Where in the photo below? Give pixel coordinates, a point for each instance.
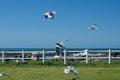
(70, 69)
(58, 47)
(49, 15)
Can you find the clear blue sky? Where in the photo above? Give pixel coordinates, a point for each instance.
(22, 24)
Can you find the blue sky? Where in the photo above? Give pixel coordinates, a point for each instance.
(22, 24)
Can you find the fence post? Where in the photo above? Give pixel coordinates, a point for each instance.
(86, 52)
(43, 53)
(65, 57)
(109, 56)
(3, 56)
(23, 55)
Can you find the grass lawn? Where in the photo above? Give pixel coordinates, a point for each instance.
(57, 73)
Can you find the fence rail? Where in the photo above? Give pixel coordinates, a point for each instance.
(67, 54)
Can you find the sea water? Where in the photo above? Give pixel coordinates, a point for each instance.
(52, 49)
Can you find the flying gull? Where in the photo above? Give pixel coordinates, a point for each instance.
(4, 74)
(50, 15)
(70, 69)
(93, 27)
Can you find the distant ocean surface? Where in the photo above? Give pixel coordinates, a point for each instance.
(50, 49)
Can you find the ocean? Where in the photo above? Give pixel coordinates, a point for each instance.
(52, 49)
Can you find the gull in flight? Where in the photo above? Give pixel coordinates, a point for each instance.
(93, 27)
(70, 69)
(4, 74)
(75, 78)
(50, 15)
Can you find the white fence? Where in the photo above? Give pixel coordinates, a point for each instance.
(21, 55)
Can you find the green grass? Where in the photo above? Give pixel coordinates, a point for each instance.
(36, 70)
(56, 73)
